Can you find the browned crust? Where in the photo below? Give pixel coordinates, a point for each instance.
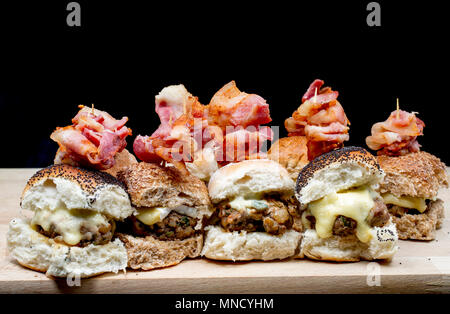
(122, 160)
(350, 153)
(151, 185)
(42, 269)
(291, 152)
(89, 180)
(420, 226)
(149, 253)
(416, 174)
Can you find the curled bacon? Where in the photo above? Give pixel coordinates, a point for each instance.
(231, 107)
(321, 119)
(92, 140)
(228, 126)
(397, 135)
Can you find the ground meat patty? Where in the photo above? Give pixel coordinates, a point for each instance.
(174, 227)
(234, 220)
(379, 214)
(276, 219)
(399, 211)
(90, 235)
(343, 226)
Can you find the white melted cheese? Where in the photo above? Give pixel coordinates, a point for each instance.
(67, 223)
(243, 204)
(354, 203)
(405, 201)
(150, 216)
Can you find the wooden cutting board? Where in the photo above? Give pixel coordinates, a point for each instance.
(418, 267)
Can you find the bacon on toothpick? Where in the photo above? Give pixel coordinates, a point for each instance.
(321, 119)
(93, 139)
(229, 122)
(397, 135)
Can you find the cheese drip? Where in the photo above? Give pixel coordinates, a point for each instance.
(354, 203)
(68, 223)
(405, 201)
(151, 215)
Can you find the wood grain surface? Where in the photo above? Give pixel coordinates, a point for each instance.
(418, 267)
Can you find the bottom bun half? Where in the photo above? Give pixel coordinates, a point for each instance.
(245, 246)
(150, 253)
(35, 251)
(382, 245)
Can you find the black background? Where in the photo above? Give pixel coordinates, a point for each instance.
(125, 52)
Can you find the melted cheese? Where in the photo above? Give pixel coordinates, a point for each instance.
(68, 223)
(150, 216)
(406, 201)
(355, 204)
(243, 204)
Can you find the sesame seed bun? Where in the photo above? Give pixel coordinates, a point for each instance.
(76, 188)
(337, 170)
(416, 174)
(153, 185)
(383, 245)
(37, 252)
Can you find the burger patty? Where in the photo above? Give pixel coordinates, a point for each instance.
(90, 234)
(174, 227)
(379, 214)
(344, 226)
(399, 211)
(277, 218)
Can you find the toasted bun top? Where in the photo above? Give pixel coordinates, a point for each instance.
(290, 152)
(249, 177)
(335, 171)
(76, 188)
(152, 185)
(122, 161)
(416, 174)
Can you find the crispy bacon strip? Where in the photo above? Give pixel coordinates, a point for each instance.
(92, 140)
(397, 135)
(231, 107)
(188, 126)
(321, 119)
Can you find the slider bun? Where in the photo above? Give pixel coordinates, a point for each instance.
(122, 160)
(245, 246)
(76, 188)
(152, 185)
(335, 171)
(35, 251)
(290, 152)
(248, 177)
(383, 245)
(420, 226)
(150, 253)
(416, 174)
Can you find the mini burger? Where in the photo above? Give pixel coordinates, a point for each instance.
(72, 229)
(171, 208)
(345, 219)
(413, 177)
(256, 214)
(410, 189)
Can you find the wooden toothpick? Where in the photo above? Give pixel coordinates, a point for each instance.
(398, 108)
(315, 95)
(93, 112)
